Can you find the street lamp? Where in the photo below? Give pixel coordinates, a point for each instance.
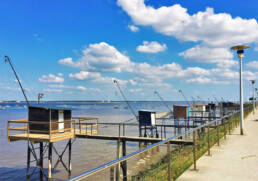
(253, 81)
(240, 53)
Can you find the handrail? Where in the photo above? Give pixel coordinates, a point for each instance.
(126, 157)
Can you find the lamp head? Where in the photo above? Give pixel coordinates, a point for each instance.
(6, 59)
(240, 49)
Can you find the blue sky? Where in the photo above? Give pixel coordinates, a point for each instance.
(72, 50)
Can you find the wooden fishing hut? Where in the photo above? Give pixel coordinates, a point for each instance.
(147, 122)
(180, 113)
(44, 126)
(198, 110)
(211, 109)
(228, 107)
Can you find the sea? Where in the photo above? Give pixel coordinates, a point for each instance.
(86, 153)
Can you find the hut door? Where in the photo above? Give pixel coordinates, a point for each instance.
(61, 120)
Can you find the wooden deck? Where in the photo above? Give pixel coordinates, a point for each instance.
(41, 137)
(46, 138)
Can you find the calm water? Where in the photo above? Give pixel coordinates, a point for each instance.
(86, 154)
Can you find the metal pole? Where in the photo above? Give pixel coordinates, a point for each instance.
(241, 98)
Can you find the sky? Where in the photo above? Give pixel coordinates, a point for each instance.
(73, 50)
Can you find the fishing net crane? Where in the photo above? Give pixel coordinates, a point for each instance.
(181, 92)
(7, 59)
(121, 92)
(162, 100)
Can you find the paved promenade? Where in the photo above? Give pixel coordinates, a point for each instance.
(236, 159)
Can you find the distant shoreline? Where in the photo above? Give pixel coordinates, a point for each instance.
(84, 101)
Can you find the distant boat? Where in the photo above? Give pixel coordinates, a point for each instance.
(116, 107)
(1, 107)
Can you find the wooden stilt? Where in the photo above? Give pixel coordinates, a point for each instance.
(41, 161)
(50, 145)
(124, 163)
(117, 156)
(70, 156)
(28, 163)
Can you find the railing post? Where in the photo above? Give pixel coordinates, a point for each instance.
(119, 130)
(169, 161)
(123, 129)
(224, 125)
(8, 131)
(194, 149)
(217, 128)
(80, 126)
(209, 146)
(229, 125)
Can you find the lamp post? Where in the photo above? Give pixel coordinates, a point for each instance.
(253, 81)
(40, 95)
(240, 53)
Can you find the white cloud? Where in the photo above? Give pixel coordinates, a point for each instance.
(67, 61)
(151, 47)
(52, 90)
(99, 57)
(81, 88)
(204, 26)
(133, 28)
(252, 64)
(84, 75)
(200, 80)
(95, 77)
(132, 82)
(206, 54)
(60, 86)
(50, 78)
(227, 63)
(135, 90)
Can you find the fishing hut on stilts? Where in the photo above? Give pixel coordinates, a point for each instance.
(44, 127)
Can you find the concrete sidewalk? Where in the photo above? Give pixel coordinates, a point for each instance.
(236, 159)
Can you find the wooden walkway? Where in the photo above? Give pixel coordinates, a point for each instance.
(132, 139)
(236, 159)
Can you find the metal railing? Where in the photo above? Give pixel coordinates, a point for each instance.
(169, 161)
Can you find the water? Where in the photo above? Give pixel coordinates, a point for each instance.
(86, 154)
